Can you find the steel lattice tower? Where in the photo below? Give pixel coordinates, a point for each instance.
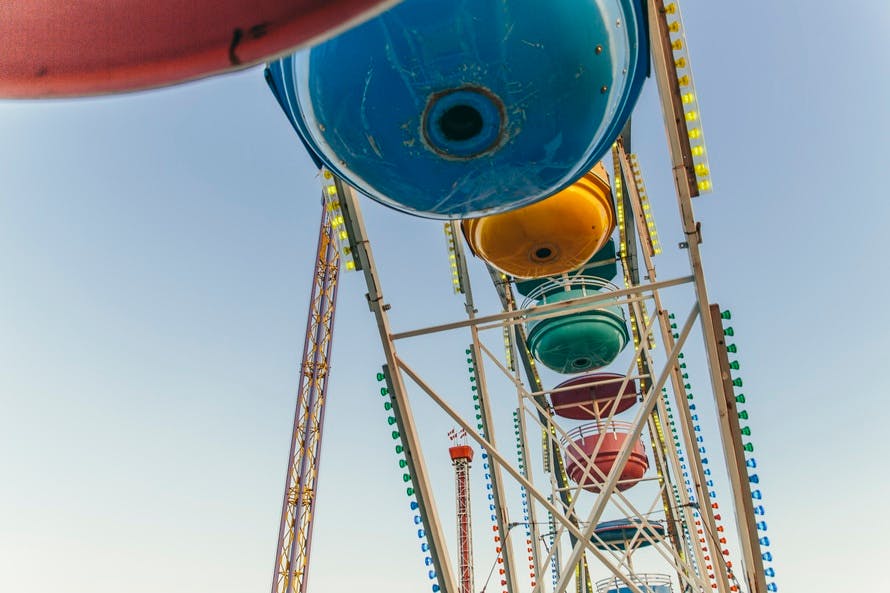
(461, 456)
(298, 507)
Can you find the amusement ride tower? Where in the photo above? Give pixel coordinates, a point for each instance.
(461, 456)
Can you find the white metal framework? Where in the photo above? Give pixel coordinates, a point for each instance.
(671, 510)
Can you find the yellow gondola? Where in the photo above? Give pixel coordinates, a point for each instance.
(549, 237)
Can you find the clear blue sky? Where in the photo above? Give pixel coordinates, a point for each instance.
(155, 253)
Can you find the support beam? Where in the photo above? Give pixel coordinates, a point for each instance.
(734, 450)
(361, 250)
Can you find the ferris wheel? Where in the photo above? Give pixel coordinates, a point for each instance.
(509, 122)
(609, 464)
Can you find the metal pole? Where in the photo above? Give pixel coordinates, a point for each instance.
(684, 179)
(361, 249)
(684, 414)
(738, 472)
(497, 487)
(297, 511)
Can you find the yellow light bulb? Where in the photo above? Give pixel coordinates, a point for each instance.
(684, 80)
(704, 185)
(344, 235)
(694, 133)
(670, 8)
(674, 27)
(687, 98)
(332, 190)
(698, 150)
(701, 169)
(692, 116)
(326, 174)
(677, 45)
(681, 63)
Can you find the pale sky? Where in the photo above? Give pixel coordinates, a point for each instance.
(156, 249)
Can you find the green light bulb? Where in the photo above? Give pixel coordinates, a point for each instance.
(743, 415)
(406, 477)
(409, 491)
(726, 314)
(395, 434)
(402, 463)
(391, 420)
(399, 449)
(732, 348)
(746, 431)
(685, 375)
(740, 398)
(384, 391)
(387, 406)
(737, 382)
(729, 331)
(734, 365)
(748, 447)
(381, 376)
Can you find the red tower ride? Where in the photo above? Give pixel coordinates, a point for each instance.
(461, 456)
